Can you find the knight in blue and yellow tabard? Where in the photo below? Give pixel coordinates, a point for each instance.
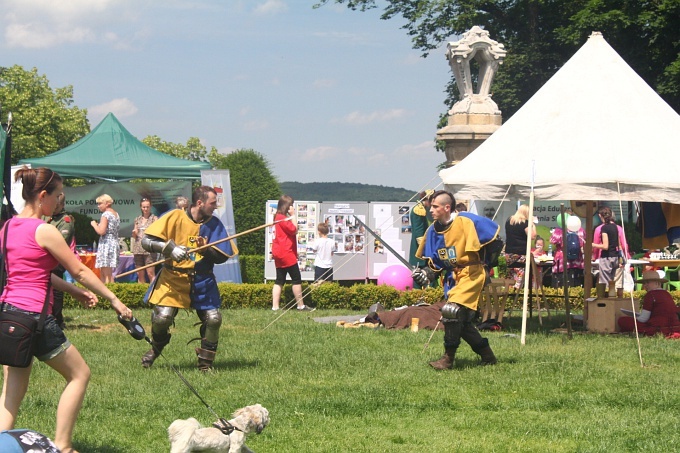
(187, 281)
(451, 248)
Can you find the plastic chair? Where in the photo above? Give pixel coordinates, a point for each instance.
(672, 285)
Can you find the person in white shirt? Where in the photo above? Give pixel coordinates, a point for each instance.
(324, 247)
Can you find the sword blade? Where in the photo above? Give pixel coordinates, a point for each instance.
(386, 245)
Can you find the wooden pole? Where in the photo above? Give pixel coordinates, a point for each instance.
(203, 247)
(527, 264)
(587, 260)
(565, 271)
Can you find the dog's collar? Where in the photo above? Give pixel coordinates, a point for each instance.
(226, 427)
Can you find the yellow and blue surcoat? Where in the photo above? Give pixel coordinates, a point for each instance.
(190, 283)
(455, 253)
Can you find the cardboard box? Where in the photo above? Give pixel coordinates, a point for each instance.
(604, 314)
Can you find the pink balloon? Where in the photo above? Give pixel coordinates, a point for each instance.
(397, 276)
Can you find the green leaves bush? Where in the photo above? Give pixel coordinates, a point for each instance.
(253, 293)
(335, 296)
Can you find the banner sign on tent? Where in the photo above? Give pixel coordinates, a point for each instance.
(126, 197)
(219, 180)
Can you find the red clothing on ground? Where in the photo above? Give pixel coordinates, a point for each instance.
(664, 317)
(284, 246)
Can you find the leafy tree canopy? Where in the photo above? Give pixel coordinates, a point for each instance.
(44, 119)
(252, 184)
(541, 35)
(193, 150)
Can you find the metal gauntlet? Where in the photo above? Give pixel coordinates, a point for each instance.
(168, 249)
(154, 245)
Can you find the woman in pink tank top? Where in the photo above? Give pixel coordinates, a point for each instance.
(34, 248)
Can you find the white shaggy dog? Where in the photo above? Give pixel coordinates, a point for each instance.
(188, 435)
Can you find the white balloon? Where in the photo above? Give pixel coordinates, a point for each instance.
(573, 223)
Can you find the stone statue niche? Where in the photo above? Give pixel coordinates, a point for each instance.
(475, 116)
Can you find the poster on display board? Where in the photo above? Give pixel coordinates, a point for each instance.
(392, 222)
(307, 220)
(349, 261)
(352, 240)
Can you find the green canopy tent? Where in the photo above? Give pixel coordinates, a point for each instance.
(111, 153)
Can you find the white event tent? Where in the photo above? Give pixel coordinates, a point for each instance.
(594, 131)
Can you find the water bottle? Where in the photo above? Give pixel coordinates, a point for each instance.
(94, 246)
(550, 251)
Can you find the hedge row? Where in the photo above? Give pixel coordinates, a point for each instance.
(334, 296)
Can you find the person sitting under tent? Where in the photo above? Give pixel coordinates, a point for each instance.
(659, 313)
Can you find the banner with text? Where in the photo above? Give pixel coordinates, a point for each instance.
(126, 198)
(220, 181)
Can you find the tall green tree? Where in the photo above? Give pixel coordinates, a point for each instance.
(45, 120)
(252, 184)
(192, 150)
(541, 35)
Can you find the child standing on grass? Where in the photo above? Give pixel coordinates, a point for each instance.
(324, 248)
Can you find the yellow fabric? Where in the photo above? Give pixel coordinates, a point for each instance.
(172, 288)
(420, 210)
(462, 236)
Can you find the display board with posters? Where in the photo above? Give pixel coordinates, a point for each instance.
(307, 220)
(351, 239)
(392, 222)
(357, 256)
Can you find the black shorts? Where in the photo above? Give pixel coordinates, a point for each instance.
(51, 342)
(293, 271)
(323, 274)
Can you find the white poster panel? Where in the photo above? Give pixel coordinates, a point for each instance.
(307, 213)
(220, 181)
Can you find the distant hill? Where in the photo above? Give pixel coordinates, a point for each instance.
(343, 191)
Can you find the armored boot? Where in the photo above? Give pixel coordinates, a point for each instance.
(206, 355)
(485, 352)
(156, 349)
(446, 361)
(488, 358)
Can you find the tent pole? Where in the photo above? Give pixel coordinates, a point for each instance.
(587, 260)
(529, 257)
(565, 272)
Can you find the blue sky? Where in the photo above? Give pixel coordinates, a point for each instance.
(325, 95)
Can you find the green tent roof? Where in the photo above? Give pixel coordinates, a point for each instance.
(110, 152)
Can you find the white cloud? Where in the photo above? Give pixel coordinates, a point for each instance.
(324, 83)
(359, 118)
(410, 150)
(39, 36)
(122, 107)
(317, 154)
(40, 24)
(255, 125)
(271, 7)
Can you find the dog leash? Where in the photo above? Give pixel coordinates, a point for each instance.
(136, 330)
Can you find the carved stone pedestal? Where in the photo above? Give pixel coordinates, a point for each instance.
(476, 116)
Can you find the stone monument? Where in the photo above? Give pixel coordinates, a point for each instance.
(475, 116)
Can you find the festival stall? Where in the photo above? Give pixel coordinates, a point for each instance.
(594, 131)
(111, 154)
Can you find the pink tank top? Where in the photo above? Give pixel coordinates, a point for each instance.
(29, 266)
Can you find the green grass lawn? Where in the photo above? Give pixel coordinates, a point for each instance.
(330, 389)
